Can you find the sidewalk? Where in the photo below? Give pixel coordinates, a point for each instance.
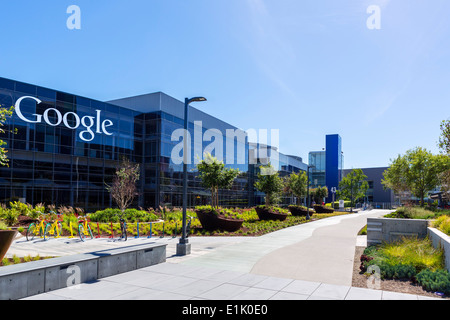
(308, 261)
(171, 281)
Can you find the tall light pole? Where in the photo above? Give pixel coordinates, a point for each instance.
(184, 247)
(308, 199)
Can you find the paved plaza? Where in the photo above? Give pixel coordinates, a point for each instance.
(286, 265)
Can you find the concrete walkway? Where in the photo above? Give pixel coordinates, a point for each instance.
(309, 261)
(171, 281)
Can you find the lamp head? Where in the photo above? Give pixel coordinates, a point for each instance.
(196, 99)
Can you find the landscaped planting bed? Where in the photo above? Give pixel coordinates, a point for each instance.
(166, 222)
(18, 260)
(409, 265)
(411, 212)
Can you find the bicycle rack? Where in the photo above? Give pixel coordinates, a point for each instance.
(151, 230)
(137, 236)
(98, 231)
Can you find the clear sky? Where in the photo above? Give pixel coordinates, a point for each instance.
(308, 68)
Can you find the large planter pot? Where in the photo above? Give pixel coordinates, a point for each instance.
(300, 211)
(211, 221)
(323, 209)
(269, 214)
(6, 238)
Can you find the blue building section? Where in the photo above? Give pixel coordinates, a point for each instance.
(327, 165)
(333, 172)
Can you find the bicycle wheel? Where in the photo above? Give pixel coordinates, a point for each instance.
(81, 233)
(31, 232)
(90, 231)
(47, 231)
(58, 229)
(123, 229)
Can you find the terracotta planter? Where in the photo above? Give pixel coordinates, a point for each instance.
(210, 221)
(6, 238)
(268, 214)
(299, 211)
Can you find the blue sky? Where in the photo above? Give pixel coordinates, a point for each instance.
(308, 68)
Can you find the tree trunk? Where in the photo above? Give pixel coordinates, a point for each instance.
(267, 199)
(217, 197)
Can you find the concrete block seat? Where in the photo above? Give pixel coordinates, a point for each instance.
(28, 279)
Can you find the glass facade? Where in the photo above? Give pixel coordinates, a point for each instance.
(317, 173)
(64, 149)
(52, 164)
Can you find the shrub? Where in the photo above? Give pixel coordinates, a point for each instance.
(6, 262)
(131, 215)
(106, 216)
(436, 281)
(134, 215)
(11, 217)
(404, 259)
(443, 224)
(411, 213)
(347, 204)
(35, 212)
(3, 225)
(21, 208)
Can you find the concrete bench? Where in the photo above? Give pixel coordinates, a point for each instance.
(28, 279)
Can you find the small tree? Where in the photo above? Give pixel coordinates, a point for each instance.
(215, 176)
(353, 186)
(4, 113)
(270, 183)
(123, 189)
(296, 184)
(320, 193)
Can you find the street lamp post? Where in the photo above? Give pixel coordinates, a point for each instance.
(184, 247)
(308, 199)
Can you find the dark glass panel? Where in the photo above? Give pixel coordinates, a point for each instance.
(6, 84)
(46, 93)
(65, 97)
(26, 88)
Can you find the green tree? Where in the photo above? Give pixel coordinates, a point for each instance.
(4, 114)
(353, 186)
(270, 183)
(296, 184)
(444, 140)
(444, 144)
(215, 176)
(319, 193)
(418, 171)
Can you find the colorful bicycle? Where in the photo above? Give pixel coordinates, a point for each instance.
(37, 229)
(84, 228)
(53, 227)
